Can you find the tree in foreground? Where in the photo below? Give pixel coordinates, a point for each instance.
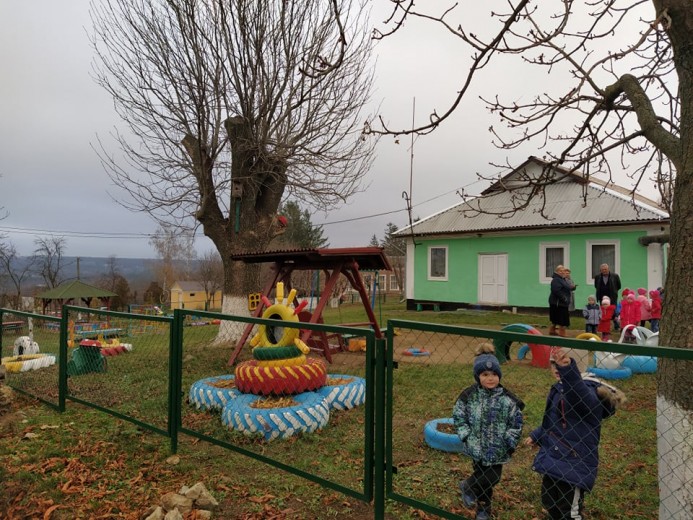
(231, 106)
(619, 96)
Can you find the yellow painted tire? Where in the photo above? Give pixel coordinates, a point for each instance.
(280, 380)
(588, 335)
(26, 362)
(270, 336)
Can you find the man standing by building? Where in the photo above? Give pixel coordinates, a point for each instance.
(607, 283)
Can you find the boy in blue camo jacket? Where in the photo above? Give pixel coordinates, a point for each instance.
(488, 421)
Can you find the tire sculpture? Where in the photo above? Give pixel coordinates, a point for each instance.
(641, 364)
(255, 399)
(540, 353)
(311, 413)
(348, 393)
(442, 441)
(213, 393)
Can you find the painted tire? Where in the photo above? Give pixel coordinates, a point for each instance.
(641, 364)
(271, 336)
(608, 373)
(113, 351)
(26, 362)
(439, 440)
(344, 396)
(522, 352)
(588, 336)
(290, 362)
(280, 380)
(274, 353)
(205, 396)
(310, 414)
(416, 352)
(540, 353)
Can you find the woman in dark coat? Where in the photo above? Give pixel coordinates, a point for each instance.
(559, 301)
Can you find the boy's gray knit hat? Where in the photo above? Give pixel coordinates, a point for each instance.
(486, 362)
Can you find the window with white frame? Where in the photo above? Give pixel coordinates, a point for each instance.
(438, 263)
(394, 286)
(602, 252)
(382, 282)
(552, 254)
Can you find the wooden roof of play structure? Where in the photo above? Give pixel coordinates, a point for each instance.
(68, 292)
(334, 262)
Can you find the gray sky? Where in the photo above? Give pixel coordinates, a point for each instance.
(51, 111)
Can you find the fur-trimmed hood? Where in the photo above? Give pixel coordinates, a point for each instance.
(606, 392)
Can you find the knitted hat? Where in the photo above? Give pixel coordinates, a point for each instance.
(654, 294)
(642, 291)
(626, 292)
(606, 300)
(486, 361)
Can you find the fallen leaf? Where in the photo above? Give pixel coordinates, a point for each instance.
(47, 514)
(30, 435)
(173, 460)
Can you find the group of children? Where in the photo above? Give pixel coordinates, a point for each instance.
(634, 309)
(488, 420)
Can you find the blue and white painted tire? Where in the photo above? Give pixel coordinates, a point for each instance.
(310, 414)
(345, 396)
(205, 396)
(641, 364)
(611, 373)
(440, 440)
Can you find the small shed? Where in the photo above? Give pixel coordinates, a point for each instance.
(68, 293)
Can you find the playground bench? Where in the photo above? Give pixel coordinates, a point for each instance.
(14, 326)
(93, 334)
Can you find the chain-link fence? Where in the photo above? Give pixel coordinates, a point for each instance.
(31, 354)
(281, 403)
(461, 446)
(411, 407)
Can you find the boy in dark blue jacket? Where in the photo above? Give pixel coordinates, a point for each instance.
(568, 437)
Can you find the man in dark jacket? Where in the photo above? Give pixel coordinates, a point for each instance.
(608, 284)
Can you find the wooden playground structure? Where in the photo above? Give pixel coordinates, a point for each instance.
(334, 262)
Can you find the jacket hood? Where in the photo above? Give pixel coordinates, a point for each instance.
(608, 394)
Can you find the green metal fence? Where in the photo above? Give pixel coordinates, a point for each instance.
(171, 375)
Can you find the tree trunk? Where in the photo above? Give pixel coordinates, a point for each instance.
(674, 377)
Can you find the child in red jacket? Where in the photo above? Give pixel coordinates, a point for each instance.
(604, 327)
(630, 314)
(655, 310)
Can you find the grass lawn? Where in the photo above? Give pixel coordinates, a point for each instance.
(87, 464)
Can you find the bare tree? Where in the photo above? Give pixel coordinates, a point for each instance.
(231, 106)
(49, 255)
(176, 252)
(14, 270)
(114, 281)
(620, 98)
(211, 275)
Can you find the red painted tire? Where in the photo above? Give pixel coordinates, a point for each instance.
(280, 380)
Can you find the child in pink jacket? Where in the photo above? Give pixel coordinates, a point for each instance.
(645, 307)
(655, 310)
(630, 314)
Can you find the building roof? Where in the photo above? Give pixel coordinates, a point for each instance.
(367, 258)
(73, 290)
(569, 200)
(188, 285)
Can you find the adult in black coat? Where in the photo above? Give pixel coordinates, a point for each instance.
(559, 300)
(608, 284)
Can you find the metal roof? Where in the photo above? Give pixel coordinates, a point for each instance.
(570, 202)
(75, 289)
(367, 258)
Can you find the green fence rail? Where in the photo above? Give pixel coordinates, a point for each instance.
(171, 375)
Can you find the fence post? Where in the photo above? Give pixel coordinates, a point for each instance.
(380, 424)
(175, 374)
(62, 359)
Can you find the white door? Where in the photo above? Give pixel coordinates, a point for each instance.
(493, 279)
